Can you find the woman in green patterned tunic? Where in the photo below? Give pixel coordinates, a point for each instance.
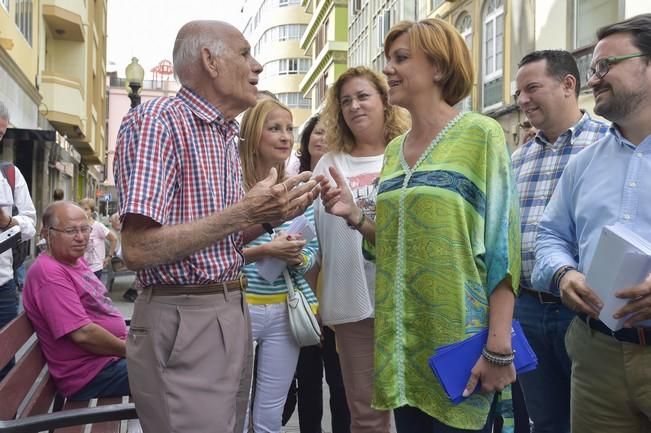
(446, 237)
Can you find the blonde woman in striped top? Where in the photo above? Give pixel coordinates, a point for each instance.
(266, 142)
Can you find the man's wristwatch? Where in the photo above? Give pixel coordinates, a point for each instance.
(558, 276)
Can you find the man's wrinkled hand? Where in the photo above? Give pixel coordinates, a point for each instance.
(577, 296)
(269, 201)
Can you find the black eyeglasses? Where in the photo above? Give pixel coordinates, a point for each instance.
(602, 67)
(72, 231)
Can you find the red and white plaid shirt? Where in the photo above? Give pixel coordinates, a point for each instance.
(177, 161)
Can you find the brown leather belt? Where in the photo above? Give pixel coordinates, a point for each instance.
(198, 289)
(641, 336)
(543, 297)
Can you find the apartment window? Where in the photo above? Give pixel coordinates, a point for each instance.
(321, 37)
(286, 67)
(24, 18)
(321, 89)
(5, 4)
(383, 25)
(294, 100)
(288, 32)
(493, 53)
(464, 25)
(590, 15)
(357, 6)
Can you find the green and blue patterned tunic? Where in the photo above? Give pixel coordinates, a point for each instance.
(447, 234)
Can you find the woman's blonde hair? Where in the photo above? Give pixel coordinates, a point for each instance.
(445, 47)
(338, 135)
(250, 134)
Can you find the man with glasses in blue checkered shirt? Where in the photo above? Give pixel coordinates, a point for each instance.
(607, 183)
(547, 89)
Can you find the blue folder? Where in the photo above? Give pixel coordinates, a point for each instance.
(452, 363)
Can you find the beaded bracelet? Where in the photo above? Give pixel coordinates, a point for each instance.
(501, 359)
(558, 276)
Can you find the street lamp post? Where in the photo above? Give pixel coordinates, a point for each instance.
(135, 75)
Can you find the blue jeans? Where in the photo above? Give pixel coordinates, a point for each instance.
(8, 312)
(111, 381)
(413, 420)
(547, 388)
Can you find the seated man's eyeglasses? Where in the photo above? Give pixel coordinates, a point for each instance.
(602, 67)
(72, 231)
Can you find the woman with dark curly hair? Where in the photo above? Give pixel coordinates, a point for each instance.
(359, 123)
(313, 144)
(313, 359)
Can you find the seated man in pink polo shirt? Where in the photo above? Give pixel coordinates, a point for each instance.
(80, 331)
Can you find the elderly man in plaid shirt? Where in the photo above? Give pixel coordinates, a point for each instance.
(185, 219)
(547, 90)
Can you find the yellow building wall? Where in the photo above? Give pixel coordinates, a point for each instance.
(551, 24)
(20, 51)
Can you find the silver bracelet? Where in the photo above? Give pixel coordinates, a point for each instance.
(501, 359)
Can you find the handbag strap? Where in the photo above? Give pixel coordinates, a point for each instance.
(290, 285)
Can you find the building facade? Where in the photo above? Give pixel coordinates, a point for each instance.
(500, 32)
(326, 42)
(52, 68)
(274, 29)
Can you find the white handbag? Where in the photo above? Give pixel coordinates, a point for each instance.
(302, 321)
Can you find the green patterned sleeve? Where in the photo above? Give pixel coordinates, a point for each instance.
(502, 218)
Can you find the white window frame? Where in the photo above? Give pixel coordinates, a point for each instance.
(383, 25)
(466, 33)
(490, 18)
(585, 22)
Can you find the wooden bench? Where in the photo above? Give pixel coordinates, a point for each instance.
(29, 401)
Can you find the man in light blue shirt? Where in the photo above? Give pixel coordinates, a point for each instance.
(547, 91)
(606, 183)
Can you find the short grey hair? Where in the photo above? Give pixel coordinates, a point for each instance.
(187, 52)
(49, 217)
(4, 112)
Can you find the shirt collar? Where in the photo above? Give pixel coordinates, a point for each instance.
(205, 110)
(619, 138)
(566, 137)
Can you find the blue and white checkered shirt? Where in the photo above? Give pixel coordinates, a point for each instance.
(538, 165)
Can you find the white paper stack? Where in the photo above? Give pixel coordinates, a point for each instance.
(622, 260)
(270, 268)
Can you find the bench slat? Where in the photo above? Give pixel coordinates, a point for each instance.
(70, 404)
(13, 336)
(109, 426)
(14, 387)
(42, 399)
